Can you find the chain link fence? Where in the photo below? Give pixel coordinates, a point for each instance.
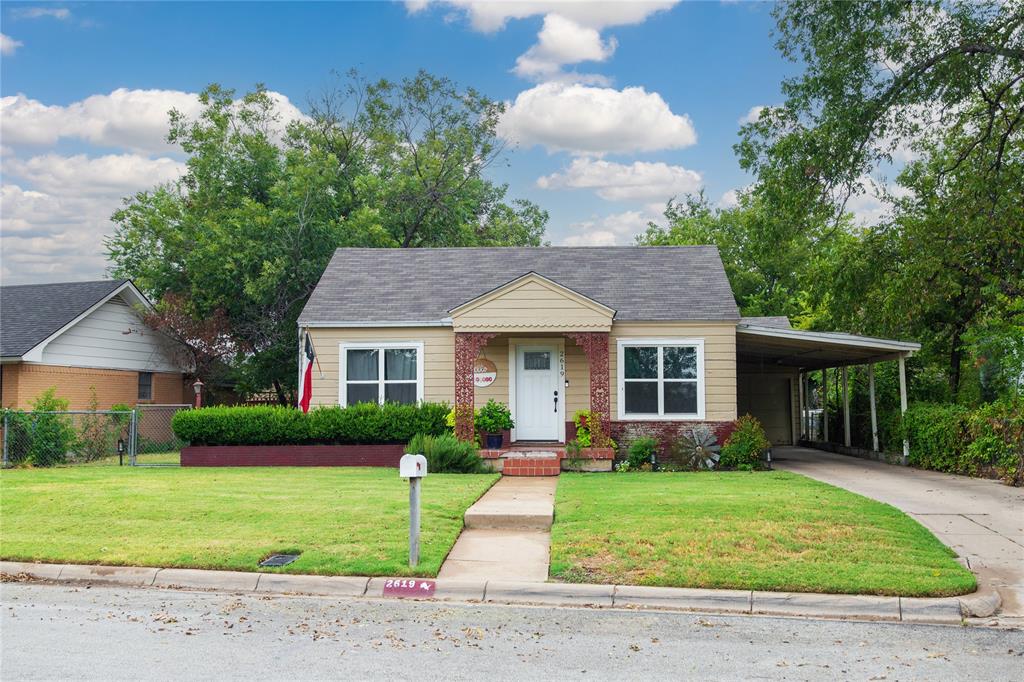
(139, 437)
(156, 444)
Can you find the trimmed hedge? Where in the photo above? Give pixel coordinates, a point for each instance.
(954, 439)
(361, 424)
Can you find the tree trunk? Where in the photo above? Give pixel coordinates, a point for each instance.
(281, 397)
(955, 357)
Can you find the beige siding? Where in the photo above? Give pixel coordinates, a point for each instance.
(532, 305)
(439, 365)
(719, 359)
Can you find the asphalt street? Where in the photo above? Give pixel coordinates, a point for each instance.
(106, 632)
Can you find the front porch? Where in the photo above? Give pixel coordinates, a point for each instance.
(542, 350)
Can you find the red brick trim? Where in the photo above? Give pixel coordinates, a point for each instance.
(292, 455)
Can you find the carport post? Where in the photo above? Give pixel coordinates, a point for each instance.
(846, 409)
(903, 403)
(874, 415)
(803, 408)
(824, 403)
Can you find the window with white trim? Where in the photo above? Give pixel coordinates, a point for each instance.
(661, 378)
(380, 372)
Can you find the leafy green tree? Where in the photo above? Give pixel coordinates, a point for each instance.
(879, 80)
(764, 258)
(244, 236)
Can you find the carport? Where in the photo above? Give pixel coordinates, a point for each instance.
(775, 361)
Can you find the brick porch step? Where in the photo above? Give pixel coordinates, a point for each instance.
(541, 463)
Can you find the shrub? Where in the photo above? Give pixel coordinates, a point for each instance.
(938, 437)
(641, 451)
(494, 417)
(997, 439)
(446, 454)
(744, 446)
(362, 423)
(53, 435)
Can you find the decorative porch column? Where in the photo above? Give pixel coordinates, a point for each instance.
(467, 347)
(595, 347)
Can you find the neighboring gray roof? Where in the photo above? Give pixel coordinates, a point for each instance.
(31, 313)
(422, 285)
(778, 321)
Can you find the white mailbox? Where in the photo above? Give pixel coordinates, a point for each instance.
(412, 466)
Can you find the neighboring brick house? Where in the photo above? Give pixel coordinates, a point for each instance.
(80, 336)
(648, 338)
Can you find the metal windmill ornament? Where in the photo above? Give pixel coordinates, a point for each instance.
(699, 448)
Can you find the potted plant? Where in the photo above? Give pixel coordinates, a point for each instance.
(492, 420)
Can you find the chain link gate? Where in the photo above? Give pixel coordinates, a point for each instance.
(155, 442)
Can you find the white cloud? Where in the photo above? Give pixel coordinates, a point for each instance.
(60, 13)
(729, 199)
(8, 45)
(488, 17)
(753, 115)
(52, 237)
(79, 175)
(593, 120)
(562, 41)
(872, 204)
(136, 120)
(609, 230)
(641, 180)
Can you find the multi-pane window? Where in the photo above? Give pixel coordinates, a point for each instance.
(145, 386)
(382, 372)
(661, 379)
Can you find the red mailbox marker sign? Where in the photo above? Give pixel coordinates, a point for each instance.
(407, 587)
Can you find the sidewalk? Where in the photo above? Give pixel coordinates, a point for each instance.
(507, 534)
(947, 610)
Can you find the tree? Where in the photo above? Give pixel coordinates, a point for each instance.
(244, 236)
(764, 258)
(882, 79)
(949, 265)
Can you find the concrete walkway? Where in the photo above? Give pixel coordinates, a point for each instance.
(981, 520)
(507, 535)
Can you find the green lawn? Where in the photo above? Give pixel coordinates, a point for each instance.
(762, 531)
(350, 521)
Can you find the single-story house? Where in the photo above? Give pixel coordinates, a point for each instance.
(649, 338)
(84, 336)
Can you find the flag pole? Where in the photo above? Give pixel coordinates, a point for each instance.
(316, 356)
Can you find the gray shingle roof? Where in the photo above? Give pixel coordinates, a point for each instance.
(30, 313)
(779, 321)
(422, 285)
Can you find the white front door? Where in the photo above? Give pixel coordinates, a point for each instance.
(538, 399)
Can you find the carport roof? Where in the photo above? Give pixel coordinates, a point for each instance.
(814, 350)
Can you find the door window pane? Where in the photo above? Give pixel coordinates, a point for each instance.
(400, 393)
(362, 393)
(641, 363)
(400, 364)
(642, 397)
(680, 397)
(537, 360)
(680, 362)
(362, 365)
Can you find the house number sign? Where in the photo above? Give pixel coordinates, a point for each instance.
(484, 372)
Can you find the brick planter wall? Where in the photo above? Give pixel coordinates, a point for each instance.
(665, 433)
(292, 455)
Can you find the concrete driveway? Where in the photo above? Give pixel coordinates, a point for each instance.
(981, 520)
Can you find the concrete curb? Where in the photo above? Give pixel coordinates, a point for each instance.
(946, 610)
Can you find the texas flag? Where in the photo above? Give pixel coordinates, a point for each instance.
(306, 387)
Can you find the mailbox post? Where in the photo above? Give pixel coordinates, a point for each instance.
(413, 467)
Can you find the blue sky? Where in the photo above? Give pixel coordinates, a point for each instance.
(614, 107)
